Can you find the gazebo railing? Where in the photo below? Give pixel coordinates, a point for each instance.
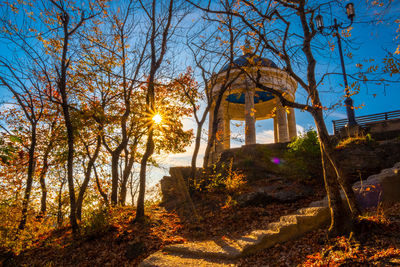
(364, 120)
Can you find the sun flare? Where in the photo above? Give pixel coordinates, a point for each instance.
(157, 119)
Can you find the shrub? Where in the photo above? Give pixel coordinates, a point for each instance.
(235, 180)
(224, 179)
(97, 224)
(303, 157)
(306, 143)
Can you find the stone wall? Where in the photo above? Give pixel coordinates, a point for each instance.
(362, 160)
(359, 161)
(255, 161)
(383, 126)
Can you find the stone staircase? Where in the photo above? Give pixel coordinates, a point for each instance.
(224, 251)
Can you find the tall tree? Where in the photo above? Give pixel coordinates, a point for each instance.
(160, 30)
(127, 74)
(71, 19)
(272, 26)
(22, 81)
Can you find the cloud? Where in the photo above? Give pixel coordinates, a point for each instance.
(300, 129)
(265, 137)
(185, 158)
(338, 115)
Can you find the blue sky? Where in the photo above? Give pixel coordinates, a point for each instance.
(367, 41)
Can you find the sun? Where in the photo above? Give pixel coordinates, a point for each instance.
(157, 118)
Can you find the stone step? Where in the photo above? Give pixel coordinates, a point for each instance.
(313, 211)
(215, 249)
(225, 250)
(165, 259)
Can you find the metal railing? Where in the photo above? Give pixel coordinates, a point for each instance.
(364, 120)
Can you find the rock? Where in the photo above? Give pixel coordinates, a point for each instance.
(255, 199)
(174, 188)
(383, 187)
(135, 249)
(282, 191)
(363, 160)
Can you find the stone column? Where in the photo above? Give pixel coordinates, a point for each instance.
(291, 124)
(283, 135)
(275, 130)
(250, 118)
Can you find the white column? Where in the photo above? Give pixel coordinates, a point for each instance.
(275, 130)
(283, 135)
(250, 118)
(291, 124)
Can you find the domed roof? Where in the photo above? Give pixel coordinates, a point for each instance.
(243, 61)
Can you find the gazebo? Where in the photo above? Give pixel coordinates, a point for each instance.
(244, 101)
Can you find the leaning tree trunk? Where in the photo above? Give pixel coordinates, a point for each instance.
(331, 156)
(86, 180)
(102, 193)
(340, 223)
(214, 129)
(29, 181)
(195, 153)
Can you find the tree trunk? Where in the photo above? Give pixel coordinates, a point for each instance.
(142, 180)
(62, 87)
(59, 209)
(29, 180)
(43, 199)
(114, 177)
(104, 195)
(194, 156)
(86, 180)
(133, 193)
(345, 185)
(331, 156)
(340, 224)
(70, 170)
(214, 128)
(150, 98)
(125, 176)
